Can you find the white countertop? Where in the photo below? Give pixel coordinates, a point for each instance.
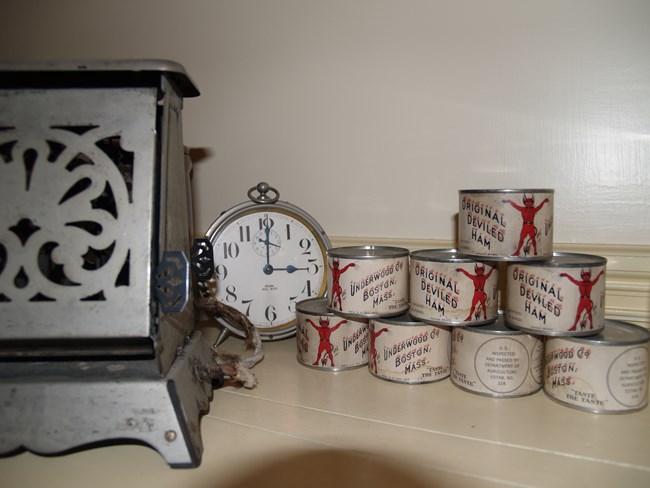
(309, 428)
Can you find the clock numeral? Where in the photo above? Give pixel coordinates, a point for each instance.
(313, 267)
(230, 250)
(221, 271)
(288, 232)
(231, 296)
(266, 222)
(270, 314)
(305, 245)
(245, 234)
(248, 309)
(306, 290)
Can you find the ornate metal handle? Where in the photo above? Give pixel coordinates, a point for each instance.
(202, 259)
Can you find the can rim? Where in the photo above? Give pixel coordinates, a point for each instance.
(367, 252)
(496, 327)
(316, 305)
(332, 369)
(404, 319)
(409, 381)
(508, 190)
(612, 327)
(443, 255)
(494, 395)
(552, 262)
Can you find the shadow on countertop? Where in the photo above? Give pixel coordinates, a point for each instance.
(330, 469)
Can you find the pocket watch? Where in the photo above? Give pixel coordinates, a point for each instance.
(268, 256)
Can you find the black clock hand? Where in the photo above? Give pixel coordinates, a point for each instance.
(290, 269)
(268, 243)
(267, 232)
(268, 269)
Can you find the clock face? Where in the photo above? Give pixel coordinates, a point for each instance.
(266, 260)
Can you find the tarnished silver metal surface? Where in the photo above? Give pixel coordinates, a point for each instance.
(172, 282)
(117, 70)
(79, 185)
(95, 296)
(70, 404)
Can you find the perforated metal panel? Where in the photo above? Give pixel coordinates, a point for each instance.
(77, 175)
(95, 230)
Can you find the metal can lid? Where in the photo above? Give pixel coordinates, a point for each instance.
(314, 306)
(508, 190)
(615, 333)
(367, 252)
(566, 260)
(404, 319)
(498, 327)
(442, 255)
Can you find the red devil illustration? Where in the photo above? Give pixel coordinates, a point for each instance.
(373, 349)
(479, 297)
(528, 229)
(336, 285)
(325, 331)
(585, 304)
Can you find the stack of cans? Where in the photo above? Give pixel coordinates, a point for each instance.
(422, 316)
(589, 363)
(370, 285)
(487, 357)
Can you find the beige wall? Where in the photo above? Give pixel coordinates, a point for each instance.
(372, 114)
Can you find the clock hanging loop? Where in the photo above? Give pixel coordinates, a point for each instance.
(262, 196)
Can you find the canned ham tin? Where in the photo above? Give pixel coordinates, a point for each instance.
(604, 373)
(514, 225)
(368, 281)
(448, 288)
(328, 342)
(494, 360)
(562, 296)
(407, 351)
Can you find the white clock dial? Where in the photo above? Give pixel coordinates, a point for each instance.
(267, 260)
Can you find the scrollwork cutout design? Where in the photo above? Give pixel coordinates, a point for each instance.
(64, 227)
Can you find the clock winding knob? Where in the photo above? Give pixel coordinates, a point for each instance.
(262, 189)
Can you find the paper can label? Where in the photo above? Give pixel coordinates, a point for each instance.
(368, 287)
(331, 342)
(597, 378)
(514, 225)
(409, 354)
(454, 293)
(497, 365)
(556, 300)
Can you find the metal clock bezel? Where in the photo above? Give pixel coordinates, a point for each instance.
(233, 214)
